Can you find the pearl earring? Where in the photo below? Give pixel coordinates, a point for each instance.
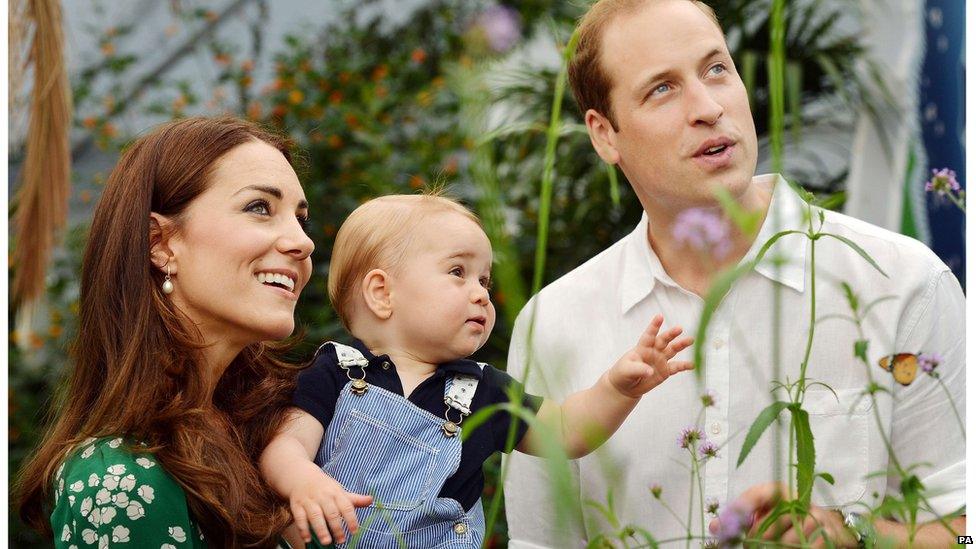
(167, 284)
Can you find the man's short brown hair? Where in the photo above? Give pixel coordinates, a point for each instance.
(587, 76)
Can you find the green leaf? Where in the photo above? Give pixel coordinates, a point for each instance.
(861, 349)
(782, 507)
(805, 453)
(850, 295)
(614, 184)
(759, 426)
(860, 251)
(828, 478)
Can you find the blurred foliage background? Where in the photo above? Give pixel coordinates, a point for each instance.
(371, 106)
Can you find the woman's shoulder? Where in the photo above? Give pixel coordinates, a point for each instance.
(113, 489)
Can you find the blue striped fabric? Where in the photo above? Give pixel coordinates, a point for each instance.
(379, 443)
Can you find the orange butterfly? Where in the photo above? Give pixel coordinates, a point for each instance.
(903, 366)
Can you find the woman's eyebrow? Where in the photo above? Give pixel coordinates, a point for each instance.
(273, 191)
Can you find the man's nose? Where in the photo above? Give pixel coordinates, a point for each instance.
(703, 108)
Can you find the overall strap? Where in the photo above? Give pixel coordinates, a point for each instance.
(350, 357)
(459, 390)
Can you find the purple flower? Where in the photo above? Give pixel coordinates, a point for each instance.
(690, 435)
(733, 522)
(703, 229)
(708, 449)
(928, 362)
(711, 505)
(943, 182)
(501, 26)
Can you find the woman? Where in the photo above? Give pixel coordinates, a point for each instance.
(196, 256)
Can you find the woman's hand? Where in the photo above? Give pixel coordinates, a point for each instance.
(322, 503)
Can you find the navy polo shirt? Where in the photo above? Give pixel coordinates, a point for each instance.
(320, 384)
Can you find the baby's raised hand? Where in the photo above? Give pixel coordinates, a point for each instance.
(325, 505)
(649, 363)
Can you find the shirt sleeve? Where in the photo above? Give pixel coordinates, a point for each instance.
(925, 427)
(106, 495)
(318, 387)
(501, 387)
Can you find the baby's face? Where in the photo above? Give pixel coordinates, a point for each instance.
(439, 292)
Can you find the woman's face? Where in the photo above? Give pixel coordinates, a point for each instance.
(241, 255)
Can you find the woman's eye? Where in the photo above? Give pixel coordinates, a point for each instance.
(259, 207)
(305, 221)
(457, 271)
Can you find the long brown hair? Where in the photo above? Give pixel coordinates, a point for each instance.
(137, 368)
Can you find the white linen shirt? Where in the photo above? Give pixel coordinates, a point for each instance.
(588, 318)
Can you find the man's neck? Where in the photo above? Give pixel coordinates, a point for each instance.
(694, 269)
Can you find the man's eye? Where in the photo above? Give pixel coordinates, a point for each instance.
(660, 89)
(259, 207)
(718, 69)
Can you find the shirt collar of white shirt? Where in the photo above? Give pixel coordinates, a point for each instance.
(642, 269)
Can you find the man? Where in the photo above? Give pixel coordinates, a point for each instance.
(662, 100)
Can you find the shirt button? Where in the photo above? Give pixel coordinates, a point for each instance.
(716, 428)
(460, 528)
(386, 365)
(717, 344)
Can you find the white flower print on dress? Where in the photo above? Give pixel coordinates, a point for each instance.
(146, 463)
(177, 533)
(93, 480)
(147, 493)
(66, 533)
(103, 496)
(103, 542)
(120, 499)
(71, 501)
(89, 536)
(110, 481)
(95, 517)
(117, 469)
(115, 443)
(128, 482)
(88, 452)
(108, 513)
(135, 510)
(167, 546)
(120, 534)
(86, 506)
(77, 486)
(57, 475)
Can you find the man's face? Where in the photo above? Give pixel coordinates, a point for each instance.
(682, 112)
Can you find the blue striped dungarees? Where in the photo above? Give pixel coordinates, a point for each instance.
(379, 443)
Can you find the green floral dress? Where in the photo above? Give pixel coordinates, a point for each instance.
(106, 495)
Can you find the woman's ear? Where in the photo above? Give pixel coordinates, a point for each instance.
(160, 232)
(376, 293)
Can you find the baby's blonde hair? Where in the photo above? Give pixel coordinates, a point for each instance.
(377, 235)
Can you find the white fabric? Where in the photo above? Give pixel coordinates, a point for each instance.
(588, 318)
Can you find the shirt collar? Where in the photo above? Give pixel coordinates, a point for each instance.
(459, 366)
(787, 211)
(642, 268)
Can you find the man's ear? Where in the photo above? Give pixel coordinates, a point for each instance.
(602, 136)
(161, 231)
(376, 293)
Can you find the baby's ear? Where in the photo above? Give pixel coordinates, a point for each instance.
(376, 293)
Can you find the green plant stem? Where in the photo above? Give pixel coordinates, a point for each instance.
(691, 494)
(959, 421)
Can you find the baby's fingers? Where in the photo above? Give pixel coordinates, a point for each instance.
(349, 515)
(676, 366)
(301, 521)
(648, 339)
(334, 517)
(677, 345)
(316, 519)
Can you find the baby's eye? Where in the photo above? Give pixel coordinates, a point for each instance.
(486, 282)
(259, 207)
(457, 271)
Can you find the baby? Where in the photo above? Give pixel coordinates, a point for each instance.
(374, 442)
